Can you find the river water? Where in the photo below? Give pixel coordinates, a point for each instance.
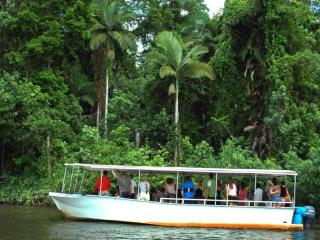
(20, 222)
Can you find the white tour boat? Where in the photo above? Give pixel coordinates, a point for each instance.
(174, 211)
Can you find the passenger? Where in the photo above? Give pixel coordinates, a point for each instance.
(231, 192)
(219, 190)
(269, 188)
(144, 189)
(124, 183)
(170, 188)
(284, 194)
(235, 181)
(117, 194)
(133, 187)
(242, 193)
(210, 189)
(187, 189)
(198, 194)
(159, 194)
(275, 192)
(103, 185)
(257, 195)
(152, 192)
(179, 195)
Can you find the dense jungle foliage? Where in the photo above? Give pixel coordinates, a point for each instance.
(157, 82)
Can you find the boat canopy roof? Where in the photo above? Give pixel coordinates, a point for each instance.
(183, 170)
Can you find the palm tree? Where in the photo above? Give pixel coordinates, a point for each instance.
(178, 60)
(109, 35)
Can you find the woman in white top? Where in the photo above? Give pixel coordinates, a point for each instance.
(257, 195)
(170, 189)
(144, 189)
(231, 191)
(133, 187)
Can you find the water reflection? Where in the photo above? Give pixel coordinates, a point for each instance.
(18, 222)
(107, 230)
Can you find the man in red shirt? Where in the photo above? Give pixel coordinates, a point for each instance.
(103, 184)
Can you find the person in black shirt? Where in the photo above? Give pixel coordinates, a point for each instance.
(198, 194)
(284, 194)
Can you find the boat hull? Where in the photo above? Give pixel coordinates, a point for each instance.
(171, 214)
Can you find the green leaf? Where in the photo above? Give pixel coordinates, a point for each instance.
(167, 71)
(198, 70)
(125, 41)
(173, 47)
(97, 39)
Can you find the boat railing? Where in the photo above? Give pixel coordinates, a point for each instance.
(227, 202)
(77, 179)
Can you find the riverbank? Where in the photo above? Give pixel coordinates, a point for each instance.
(15, 194)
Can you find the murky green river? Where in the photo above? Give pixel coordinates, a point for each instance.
(19, 222)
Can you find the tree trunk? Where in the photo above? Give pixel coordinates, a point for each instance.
(48, 156)
(176, 122)
(107, 104)
(99, 76)
(98, 120)
(137, 139)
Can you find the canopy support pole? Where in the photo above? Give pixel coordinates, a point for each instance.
(294, 191)
(75, 185)
(71, 180)
(215, 193)
(81, 181)
(139, 185)
(64, 178)
(100, 182)
(255, 181)
(177, 187)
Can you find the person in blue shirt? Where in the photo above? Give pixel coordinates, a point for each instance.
(187, 189)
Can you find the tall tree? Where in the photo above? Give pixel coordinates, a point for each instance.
(177, 60)
(35, 41)
(165, 15)
(110, 36)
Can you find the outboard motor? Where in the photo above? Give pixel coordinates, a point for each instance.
(310, 216)
(298, 215)
(304, 215)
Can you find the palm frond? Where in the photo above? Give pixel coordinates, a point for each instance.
(198, 70)
(81, 86)
(167, 71)
(194, 53)
(257, 54)
(128, 16)
(112, 14)
(96, 40)
(97, 27)
(188, 44)
(124, 40)
(172, 45)
(98, 7)
(156, 57)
